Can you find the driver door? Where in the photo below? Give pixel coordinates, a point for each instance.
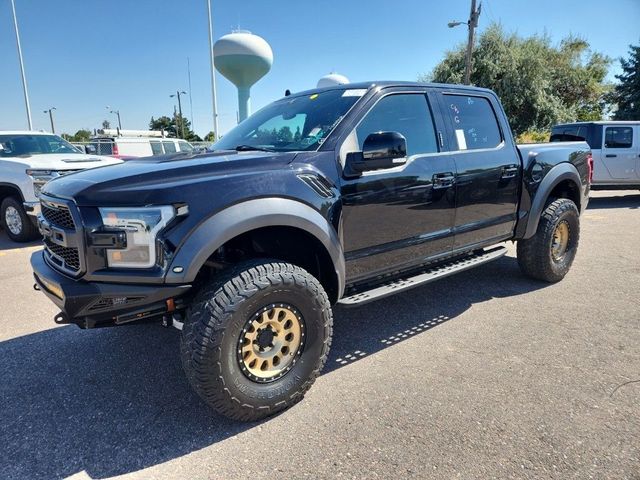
(398, 217)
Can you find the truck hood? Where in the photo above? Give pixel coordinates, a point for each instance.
(163, 179)
(62, 161)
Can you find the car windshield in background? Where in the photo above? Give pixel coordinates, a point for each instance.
(25, 144)
(293, 123)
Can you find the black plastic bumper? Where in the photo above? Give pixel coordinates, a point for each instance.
(94, 304)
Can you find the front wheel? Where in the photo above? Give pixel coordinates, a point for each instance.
(549, 254)
(255, 339)
(16, 222)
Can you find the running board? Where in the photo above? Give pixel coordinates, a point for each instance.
(425, 276)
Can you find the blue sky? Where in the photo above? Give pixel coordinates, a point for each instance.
(81, 55)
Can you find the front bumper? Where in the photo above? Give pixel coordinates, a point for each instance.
(97, 304)
(32, 208)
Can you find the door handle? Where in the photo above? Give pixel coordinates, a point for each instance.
(611, 155)
(509, 171)
(443, 180)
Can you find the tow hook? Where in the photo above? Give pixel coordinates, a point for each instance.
(61, 319)
(36, 287)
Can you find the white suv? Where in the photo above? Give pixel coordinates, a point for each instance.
(28, 160)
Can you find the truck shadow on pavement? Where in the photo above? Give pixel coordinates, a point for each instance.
(618, 201)
(7, 244)
(114, 401)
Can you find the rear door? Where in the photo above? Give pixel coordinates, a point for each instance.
(487, 165)
(620, 152)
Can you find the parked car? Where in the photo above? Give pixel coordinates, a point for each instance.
(343, 194)
(27, 161)
(616, 150)
(128, 144)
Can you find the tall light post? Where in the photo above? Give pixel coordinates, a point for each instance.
(50, 112)
(24, 78)
(177, 94)
(116, 112)
(213, 75)
(472, 24)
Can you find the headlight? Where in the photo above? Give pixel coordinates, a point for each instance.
(142, 226)
(40, 177)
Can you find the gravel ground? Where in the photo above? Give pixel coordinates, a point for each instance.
(486, 374)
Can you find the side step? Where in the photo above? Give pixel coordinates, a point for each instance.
(425, 276)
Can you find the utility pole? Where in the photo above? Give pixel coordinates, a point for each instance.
(193, 128)
(24, 78)
(472, 24)
(178, 93)
(213, 75)
(116, 112)
(50, 111)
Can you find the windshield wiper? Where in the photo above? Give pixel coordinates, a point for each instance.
(247, 148)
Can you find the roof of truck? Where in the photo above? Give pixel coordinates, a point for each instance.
(386, 84)
(24, 132)
(600, 122)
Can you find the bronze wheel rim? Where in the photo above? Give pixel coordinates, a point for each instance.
(271, 342)
(560, 241)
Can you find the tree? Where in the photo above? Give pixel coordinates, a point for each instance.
(539, 84)
(626, 94)
(81, 135)
(106, 124)
(173, 127)
(210, 137)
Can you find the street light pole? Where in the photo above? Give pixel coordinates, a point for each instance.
(50, 111)
(24, 78)
(213, 75)
(116, 112)
(472, 24)
(178, 93)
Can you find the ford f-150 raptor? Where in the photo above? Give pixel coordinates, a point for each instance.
(345, 195)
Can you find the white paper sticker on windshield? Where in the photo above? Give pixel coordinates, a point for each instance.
(354, 92)
(462, 143)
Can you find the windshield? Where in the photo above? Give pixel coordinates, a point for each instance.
(291, 124)
(26, 144)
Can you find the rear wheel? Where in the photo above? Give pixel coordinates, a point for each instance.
(16, 222)
(255, 339)
(549, 254)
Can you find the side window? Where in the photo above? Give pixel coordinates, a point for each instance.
(156, 148)
(474, 122)
(618, 137)
(185, 147)
(169, 147)
(407, 114)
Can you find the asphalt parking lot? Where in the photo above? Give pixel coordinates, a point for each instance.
(486, 374)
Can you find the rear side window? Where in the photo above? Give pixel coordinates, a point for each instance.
(156, 148)
(571, 133)
(185, 147)
(169, 147)
(474, 122)
(618, 137)
(407, 114)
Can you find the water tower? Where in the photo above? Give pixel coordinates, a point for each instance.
(331, 80)
(243, 58)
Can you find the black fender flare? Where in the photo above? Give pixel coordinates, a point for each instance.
(243, 217)
(559, 173)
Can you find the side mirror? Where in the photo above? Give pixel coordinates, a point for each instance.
(90, 149)
(380, 150)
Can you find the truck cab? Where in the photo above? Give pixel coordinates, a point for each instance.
(615, 147)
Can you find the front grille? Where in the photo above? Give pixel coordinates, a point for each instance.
(58, 216)
(69, 256)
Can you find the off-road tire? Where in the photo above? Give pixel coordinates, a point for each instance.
(216, 318)
(28, 230)
(535, 256)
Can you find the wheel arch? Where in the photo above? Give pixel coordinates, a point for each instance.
(251, 218)
(562, 181)
(10, 190)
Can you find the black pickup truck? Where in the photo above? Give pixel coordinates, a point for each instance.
(339, 195)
